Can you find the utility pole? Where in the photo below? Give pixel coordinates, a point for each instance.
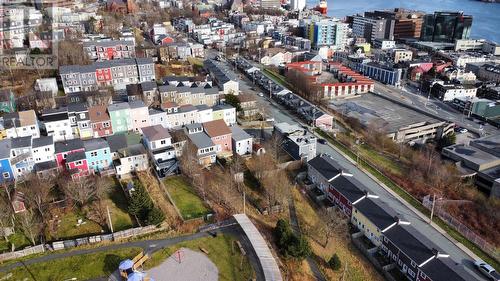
(244, 201)
(109, 218)
(432, 209)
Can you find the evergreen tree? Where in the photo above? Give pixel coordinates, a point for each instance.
(140, 203)
(334, 262)
(233, 100)
(155, 216)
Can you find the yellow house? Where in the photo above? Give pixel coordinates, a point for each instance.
(371, 219)
(3, 133)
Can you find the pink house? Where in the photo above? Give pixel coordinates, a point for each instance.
(220, 134)
(65, 148)
(76, 164)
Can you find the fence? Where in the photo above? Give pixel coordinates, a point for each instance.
(59, 245)
(26, 252)
(460, 227)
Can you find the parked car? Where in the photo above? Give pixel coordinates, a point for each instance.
(487, 270)
(463, 130)
(322, 141)
(261, 94)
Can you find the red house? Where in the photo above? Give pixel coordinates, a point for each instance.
(76, 164)
(65, 148)
(100, 121)
(343, 191)
(220, 134)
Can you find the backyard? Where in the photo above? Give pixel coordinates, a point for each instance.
(83, 267)
(66, 224)
(189, 204)
(354, 265)
(222, 251)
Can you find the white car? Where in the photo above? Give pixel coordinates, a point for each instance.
(487, 270)
(261, 94)
(463, 131)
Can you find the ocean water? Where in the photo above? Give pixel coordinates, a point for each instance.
(486, 16)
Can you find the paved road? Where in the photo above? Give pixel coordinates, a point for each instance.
(403, 209)
(149, 246)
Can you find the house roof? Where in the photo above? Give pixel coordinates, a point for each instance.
(348, 187)
(42, 141)
(98, 113)
(77, 107)
(222, 107)
(445, 269)
(118, 106)
(75, 156)
(19, 119)
(95, 144)
(201, 140)
(216, 128)
(325, 165)
(5, 147)
(238, 134)
(44, 166)
(21, 142)
(136, 104)
(68, 145)
(55, 117)
(379, 216)
(121, 141)
(133, 150)
(156, 132)
(403, 238)
(148, 86)
(202, 107)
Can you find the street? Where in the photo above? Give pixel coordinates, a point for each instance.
(401, 207)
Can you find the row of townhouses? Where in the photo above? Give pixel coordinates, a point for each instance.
(414, 255)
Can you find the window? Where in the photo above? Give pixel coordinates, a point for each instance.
(413, 264)
(93, 153)
(78, 163)
(6, 175)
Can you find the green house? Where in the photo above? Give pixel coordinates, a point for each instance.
(7, 101)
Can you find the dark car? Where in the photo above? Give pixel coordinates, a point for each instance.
(322, 141)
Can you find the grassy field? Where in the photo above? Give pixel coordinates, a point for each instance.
(357, 267)
(188, 203)
(68, 229)
(220, 253)
(413, 201)
(83, 267)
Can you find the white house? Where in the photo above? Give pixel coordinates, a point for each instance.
(242, 141)
(21, 124)
(139, 114)
(158, 142)
(158, 117)
(225, 112)
(205, 113)
(47, 85)
(43, 149)
(131, 159)
(57, 124)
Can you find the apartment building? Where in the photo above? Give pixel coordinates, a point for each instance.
(109, 50)
(114, 73)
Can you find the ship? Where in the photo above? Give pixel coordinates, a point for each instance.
(322, 7)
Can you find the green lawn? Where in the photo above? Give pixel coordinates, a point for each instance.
(118, 207)
(67, 228)
(83, 267)
(188, 203)
(220, 253)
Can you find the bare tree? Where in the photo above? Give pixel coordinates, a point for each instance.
(97, 212)
(37, 193)
(71, 52)
(30, 224)
(82, 191)
(333, 222)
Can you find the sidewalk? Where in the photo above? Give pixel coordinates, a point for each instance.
(408, 205)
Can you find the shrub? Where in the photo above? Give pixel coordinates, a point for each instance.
(334, 262)
(289, 243)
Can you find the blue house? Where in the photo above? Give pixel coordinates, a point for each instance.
(5, 168)
(98, 154)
